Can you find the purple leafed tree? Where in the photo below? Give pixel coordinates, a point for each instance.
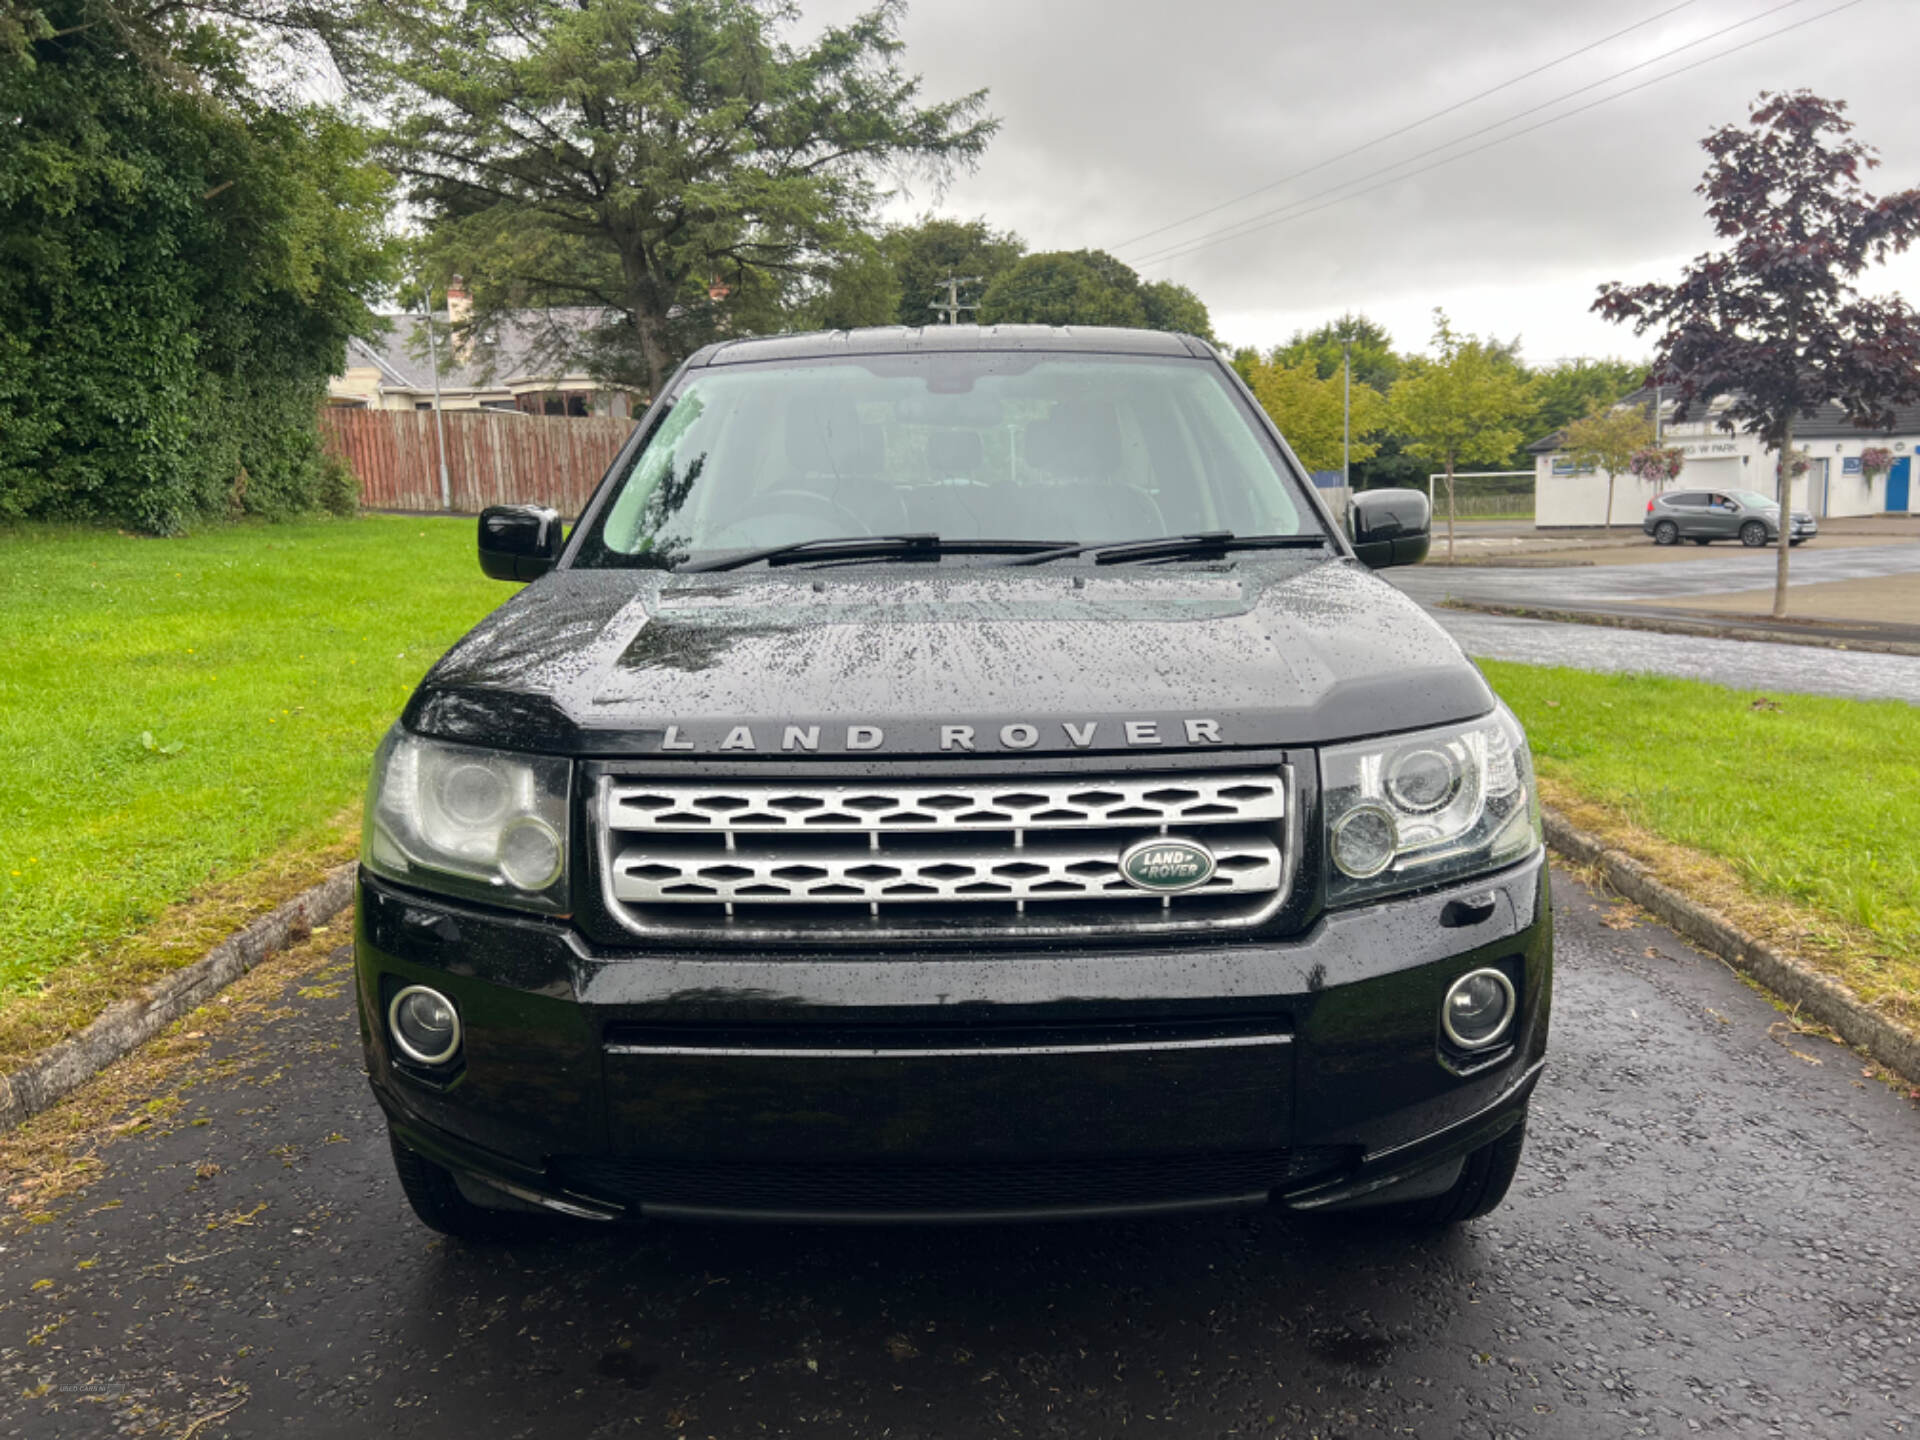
(1774, 323)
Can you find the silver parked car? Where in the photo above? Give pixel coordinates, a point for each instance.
(1703, 516)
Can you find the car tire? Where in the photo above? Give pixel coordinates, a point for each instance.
(437, 1201)
(1666, 533)
(1801, 541)
(1753, 534)
(1484, 1181)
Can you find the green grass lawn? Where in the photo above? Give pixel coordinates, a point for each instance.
(263, 661)
(1810, 800)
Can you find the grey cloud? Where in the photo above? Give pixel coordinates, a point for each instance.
(1122, 116)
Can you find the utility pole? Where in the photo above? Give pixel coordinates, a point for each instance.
(1346, 413)
(439, 425)
(1346, 420)
(951, 306)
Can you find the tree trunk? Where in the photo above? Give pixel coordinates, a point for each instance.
(1786, 520)
(1449, 510)
(649, 314)
(1607, 523)
(652, 351)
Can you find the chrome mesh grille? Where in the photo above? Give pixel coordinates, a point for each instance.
(766, 859)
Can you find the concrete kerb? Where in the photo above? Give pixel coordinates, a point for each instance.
(127, 1024)
(1818, 996)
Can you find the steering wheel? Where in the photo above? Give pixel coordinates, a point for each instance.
(812, 502)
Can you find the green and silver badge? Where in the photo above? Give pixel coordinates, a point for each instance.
(1167, 865)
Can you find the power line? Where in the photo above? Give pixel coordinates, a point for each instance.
(1251, 225)
(1410, 125)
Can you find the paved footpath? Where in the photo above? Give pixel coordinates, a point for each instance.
(1713, 1233)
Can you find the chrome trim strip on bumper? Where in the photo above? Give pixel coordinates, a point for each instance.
(1215, 1042)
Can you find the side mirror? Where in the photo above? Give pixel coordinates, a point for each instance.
(519, 542)
(1391, 527)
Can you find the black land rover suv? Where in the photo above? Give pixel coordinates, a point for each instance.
(953, 773)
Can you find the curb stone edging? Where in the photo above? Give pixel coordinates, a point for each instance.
(127, 1024)
(1787, 976)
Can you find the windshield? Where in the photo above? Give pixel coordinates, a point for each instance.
(1753, 498)
(1069, 448)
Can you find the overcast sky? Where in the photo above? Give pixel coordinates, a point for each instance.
(1122, 116)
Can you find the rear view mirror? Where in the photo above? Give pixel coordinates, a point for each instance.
(519, 542)
(1391, 527)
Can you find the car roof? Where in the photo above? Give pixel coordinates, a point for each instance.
(914, 339)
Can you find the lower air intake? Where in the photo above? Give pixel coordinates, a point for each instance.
(905, 1187)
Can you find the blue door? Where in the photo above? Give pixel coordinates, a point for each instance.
(1897, 483)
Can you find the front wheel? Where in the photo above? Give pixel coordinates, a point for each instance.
(437, 1201)
(1753, 534)
(1484, 1181)
(1666, 533)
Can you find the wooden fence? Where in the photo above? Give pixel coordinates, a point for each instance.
(494, 457)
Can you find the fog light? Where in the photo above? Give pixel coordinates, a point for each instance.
(425, 1025)
(1478, 1009)
(1364, 841)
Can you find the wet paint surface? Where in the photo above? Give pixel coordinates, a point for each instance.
(1710, 1232)
(1294, 651)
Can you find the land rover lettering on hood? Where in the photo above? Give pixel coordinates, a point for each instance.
(961, 773)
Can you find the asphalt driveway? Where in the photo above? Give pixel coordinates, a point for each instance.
(1712, 1233)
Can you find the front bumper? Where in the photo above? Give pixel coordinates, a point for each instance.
(951, 1085)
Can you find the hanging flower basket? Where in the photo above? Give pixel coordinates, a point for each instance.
(1657, 464)
(1875, 460)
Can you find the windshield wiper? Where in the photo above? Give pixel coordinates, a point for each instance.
(870, 547)
(1119, 552)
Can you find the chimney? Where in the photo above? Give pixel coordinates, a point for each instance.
(460, 315)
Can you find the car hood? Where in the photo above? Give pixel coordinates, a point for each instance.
(806, 663)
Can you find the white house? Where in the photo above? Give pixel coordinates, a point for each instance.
(514, 369)
(1834, 485)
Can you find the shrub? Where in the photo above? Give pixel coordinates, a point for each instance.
(339, 490)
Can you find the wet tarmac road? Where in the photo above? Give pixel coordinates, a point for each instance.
(1713, 1232)
(1720, 573)
(1742, 664)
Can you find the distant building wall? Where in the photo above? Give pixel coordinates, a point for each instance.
(1833, 487)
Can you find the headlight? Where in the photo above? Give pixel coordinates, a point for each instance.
(1422, 809)
(463, 821)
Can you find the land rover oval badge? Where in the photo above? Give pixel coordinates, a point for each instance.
(1167, 865)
